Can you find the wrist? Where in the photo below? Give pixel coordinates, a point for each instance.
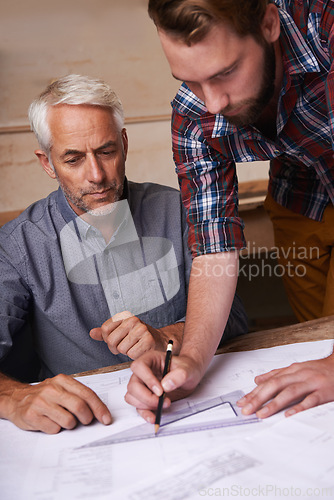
(8, 388)
(200, 351)
(171, 332)
(196, 358)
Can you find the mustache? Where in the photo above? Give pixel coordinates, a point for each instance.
(102, 187)
(233, 108)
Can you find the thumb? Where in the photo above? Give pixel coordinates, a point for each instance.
(96, 334)
(176, 378)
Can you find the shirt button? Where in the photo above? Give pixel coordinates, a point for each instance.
(115, 295)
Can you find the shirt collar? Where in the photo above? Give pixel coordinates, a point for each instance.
(66, 211)
(187, 103)
(123, 231)
(297, 56)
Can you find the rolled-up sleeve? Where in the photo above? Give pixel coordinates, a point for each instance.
(209, 189)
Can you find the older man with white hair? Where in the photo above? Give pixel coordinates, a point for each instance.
(98, 270)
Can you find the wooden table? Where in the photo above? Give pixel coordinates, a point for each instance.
(318, 329)
(309, 331)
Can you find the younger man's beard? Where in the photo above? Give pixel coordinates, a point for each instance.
(257, 105)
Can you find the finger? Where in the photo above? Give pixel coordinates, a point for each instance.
(41, 423)
(115, 339)
(139, 395)
(66, 412)
(102, 332)
(137, 342)
(265, 381)
(88, 404)
(96, 334)
(288, 393)
(131, 338)
(247, 397)
(122, 315)
(264, 392)
(141, 347)
(139, 405)
(108, 328)
(147, 415)
(288, 370)
(144, 412)
(263, 377)
(281, 401)
(121, 336)
(310, 401)
(47, 426)
(146, 367)
(176, 378)
(259, 380)
(132, 400)
(124, 337)
(38, 416)
(48, 409)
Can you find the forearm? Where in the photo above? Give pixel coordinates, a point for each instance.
(211, 290)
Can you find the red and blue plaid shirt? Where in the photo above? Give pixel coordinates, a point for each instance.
(206, 147)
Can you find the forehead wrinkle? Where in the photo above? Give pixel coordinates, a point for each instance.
(107, 144)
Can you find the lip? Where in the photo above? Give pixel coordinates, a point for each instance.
(99, 194)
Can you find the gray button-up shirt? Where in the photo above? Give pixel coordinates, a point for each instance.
(60, 276)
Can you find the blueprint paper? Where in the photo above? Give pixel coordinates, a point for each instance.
(37, 466)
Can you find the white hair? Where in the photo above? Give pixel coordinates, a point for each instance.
(74, 90)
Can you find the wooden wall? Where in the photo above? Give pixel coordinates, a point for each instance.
(111, 39)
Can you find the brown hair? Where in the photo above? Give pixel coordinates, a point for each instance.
(191, 20)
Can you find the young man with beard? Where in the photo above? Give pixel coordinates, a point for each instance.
(257, 85)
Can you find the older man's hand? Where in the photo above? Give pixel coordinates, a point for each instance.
(124, 333)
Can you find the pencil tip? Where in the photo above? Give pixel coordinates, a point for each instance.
(156, 428)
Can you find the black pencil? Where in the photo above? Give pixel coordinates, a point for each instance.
(161, 399)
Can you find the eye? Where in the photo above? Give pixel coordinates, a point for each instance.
(228, 72)
(73, 161)
(107, 153)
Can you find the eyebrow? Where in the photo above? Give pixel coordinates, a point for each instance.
(107, 145)
(220, 72)
(70, 152)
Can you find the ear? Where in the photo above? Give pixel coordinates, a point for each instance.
(125, 142)
(271, 26)
(44, 161)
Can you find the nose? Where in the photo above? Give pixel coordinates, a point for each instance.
(215, 98)
(95, 171)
